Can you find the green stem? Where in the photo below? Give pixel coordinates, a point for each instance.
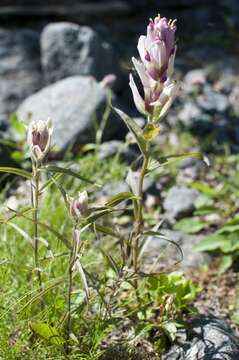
(68, 326)
(69, 292)
(139, 215)
(35, 187)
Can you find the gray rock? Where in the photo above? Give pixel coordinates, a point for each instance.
(205, 338)
(179, 201)
(111, 148)
(69, 49)
(112, 189)
(20, 69)
(195, 120)
(191, 258)
(195, 77)
(191, 169)
(189, 113)
(71, 104)
(212, 101)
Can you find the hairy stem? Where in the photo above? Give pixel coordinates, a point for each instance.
(139, 214)
(35, 191)
(69, 292)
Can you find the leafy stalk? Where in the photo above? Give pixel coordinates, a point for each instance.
(139, 212)
(35, 193)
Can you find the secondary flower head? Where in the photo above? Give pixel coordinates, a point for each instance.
(39, 138)
(79, 207)
(157, 52)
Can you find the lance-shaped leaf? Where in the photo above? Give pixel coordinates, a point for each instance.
(110, 261)
(80, 269)
(16, 171)
(134, 128)
(47, 332)
(62, 238)
(61, 170)
(163, 237)
(95, 216)
(107, 231)
(117, 199)
(166, 160)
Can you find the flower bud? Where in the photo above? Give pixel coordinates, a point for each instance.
(39, 139)
(79, 207)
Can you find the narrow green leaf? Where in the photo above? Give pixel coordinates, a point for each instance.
(169, 159)
(94, 217)
(57, 169)
(47, 332)
(83, 278)
(16, 171)
(62, 238)
(134, 128)
(117, 199)
(163, 237)
(110, 261)
(107, 231)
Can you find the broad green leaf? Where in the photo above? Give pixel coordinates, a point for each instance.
(203, 201)
(150, 132)
(134, 128)
(170, 327)
(16, 171)
(191, 225)
(57, 169)
(225, 263)
(204, 188)
(117, 199)
(228, 229)
(210, 243)
(47, 332)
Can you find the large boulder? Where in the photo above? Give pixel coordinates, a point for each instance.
(69, 49)
(72, 104)
(20, 69)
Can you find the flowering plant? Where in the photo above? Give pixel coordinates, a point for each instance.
(157, 51)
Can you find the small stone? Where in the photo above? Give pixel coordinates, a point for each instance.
(191, 169)
(194, 79)
(179, 201)
(189, 113)
(113, 147)
(212, 101)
